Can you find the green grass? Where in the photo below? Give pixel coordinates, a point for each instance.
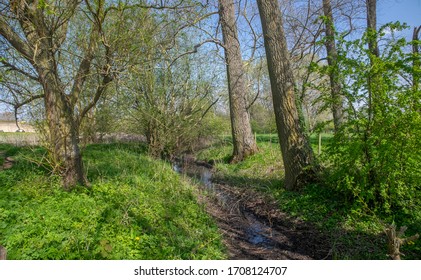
(353, 231)
(19, 138)
(136, 208)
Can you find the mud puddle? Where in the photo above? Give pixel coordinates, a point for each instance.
(254, 228)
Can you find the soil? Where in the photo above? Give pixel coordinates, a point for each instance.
(252, 225)
(8, 161)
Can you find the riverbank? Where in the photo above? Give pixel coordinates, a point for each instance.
(347, 230)
(136, 208)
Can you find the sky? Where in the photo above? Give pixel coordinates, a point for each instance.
(408, 11)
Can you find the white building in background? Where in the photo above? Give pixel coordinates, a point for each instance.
(8, 124)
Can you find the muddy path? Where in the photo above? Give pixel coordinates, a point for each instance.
(252, 225)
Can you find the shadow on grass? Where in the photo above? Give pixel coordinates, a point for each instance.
(247, 182)
(317, 221)
(109, 160)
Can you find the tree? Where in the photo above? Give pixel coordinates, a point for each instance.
(296, 151)
(373, 156)
(242, 136)
(332, 58)
(416, 58)
(372, 26)
(44, 35)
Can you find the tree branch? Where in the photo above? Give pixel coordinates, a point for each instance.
(14, 68)
(16, 41)
(106, 80)
(196, 47)
(210, 106)
(29, 100)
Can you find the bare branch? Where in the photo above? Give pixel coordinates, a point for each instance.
(106, 80)
(196, 47)
(14, 68)
(20, 45)
(210, 106)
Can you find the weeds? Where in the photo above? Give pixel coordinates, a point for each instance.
(355, 232)
(137, 208)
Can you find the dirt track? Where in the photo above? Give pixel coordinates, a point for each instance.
(252, 225)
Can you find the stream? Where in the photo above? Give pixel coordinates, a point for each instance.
(256, 232)
(249, 234)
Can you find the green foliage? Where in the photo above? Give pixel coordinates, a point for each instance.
(262, 170)
(172, 107)
(352, 232)
(372, 158)
(262, 119)
(136, 208)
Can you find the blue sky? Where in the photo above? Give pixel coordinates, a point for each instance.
(408, 11)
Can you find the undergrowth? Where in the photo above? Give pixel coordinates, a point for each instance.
(354, 231)
(136, 208)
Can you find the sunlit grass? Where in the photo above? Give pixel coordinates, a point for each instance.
(354, 233)
(136, 208)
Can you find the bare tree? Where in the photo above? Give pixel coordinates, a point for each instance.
(296, 151)
(38, 32)
(243, 140)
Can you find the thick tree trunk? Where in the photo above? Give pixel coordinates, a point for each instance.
(296, 151)
(332, 57)
(63, 135)
(243, 140)
(63, 126)
(43, 39)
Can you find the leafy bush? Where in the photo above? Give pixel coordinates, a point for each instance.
(374, 156)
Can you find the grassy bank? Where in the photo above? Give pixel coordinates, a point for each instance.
(19, 138)
(353, 231)
(136, 208)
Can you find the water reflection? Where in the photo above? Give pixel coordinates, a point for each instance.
(257, 233)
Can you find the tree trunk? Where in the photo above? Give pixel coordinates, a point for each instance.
(372, 26)
(243, 140)
(332, 57)
(374, 84)
(296, 151)
(374, 53)
(416, 63)
(63, 134)
(42, 42)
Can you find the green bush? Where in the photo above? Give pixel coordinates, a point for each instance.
(374, 157)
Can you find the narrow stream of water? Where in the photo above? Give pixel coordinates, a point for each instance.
(256, 232)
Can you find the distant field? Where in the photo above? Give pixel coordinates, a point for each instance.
(273, 138)
(19, 138)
